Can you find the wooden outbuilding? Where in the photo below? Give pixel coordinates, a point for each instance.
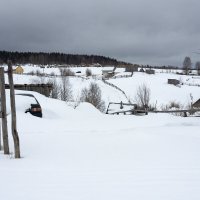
(150, 71)
(132, 68)
(108, 72)
(173, 81)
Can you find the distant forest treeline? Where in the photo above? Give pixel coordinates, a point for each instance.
(42, 58)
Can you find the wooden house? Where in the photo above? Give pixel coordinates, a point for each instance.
(18, 70)
(196, 104)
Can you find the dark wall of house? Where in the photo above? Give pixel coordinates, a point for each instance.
(44, 89)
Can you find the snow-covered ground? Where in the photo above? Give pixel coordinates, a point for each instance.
(79, 71)
(161, 92)
(82, 154)
(77, 84)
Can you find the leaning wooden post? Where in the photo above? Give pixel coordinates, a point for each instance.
(0, 130)
(13, 111)
(4, 112)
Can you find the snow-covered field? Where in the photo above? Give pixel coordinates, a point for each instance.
(161, 92)
(81, 153)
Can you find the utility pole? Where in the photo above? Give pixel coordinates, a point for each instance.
(13, 111)
(4, 112)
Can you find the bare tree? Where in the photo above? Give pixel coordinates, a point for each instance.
(66, 72)
(39, 80)
(93, 95)
(38, 73)
(65, 89)
(55, 93)
(88, 72)
(187, 65)
(197, 66)
(142, 96)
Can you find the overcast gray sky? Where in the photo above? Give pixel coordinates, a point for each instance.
(153, 32)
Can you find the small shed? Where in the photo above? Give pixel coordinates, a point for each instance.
(196, 104)
(18, 70)
(107, 73)
(150, 71)
(173, 81)
(141, 70)
(132, 68)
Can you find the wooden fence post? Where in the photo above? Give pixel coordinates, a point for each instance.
(13, 111)
(0, 132)
(4, 112)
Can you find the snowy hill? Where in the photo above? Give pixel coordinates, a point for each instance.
(161, 91)
(83, 154)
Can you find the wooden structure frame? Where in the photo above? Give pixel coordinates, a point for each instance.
(135, 110)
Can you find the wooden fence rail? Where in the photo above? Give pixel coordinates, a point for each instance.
(136, 111)
(114, 86)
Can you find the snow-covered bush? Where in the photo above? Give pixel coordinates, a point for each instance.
(55, 93)
(66, 90)
(66, 72)
(173, 105)
(88, 72)
(142, 96)
(93, 95)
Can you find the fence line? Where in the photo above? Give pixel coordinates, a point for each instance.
(121, 76)
(191, 84)
(114, 86)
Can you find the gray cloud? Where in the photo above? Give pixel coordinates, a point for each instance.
(139, 31)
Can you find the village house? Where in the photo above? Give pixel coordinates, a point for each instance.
(108, 72)
(18, 70)
(196, 104)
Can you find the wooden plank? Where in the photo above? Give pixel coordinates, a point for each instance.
(13, 111)
(125, 111)
(175, 111)
(0, 133)
(4, 112)
(126, 104)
